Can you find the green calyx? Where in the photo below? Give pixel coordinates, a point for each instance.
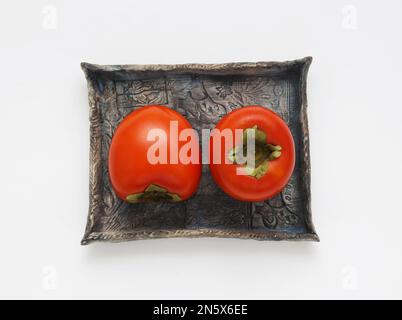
(264, 153)
(153, 193)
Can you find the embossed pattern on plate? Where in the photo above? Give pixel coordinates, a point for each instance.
(203, 94)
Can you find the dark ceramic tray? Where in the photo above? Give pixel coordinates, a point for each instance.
(202, 93)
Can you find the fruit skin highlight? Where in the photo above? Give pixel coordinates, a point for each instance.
(269, 181)
(133, 177)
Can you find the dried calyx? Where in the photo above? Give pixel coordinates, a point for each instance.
(264, 153)
(153, 193)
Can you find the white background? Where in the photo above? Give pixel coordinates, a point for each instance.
(354, 92)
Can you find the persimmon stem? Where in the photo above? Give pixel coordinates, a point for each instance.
(153, 193)
(263, 153)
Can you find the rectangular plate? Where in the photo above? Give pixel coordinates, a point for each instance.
(203, 93)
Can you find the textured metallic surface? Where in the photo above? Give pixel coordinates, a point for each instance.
(203, 94)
